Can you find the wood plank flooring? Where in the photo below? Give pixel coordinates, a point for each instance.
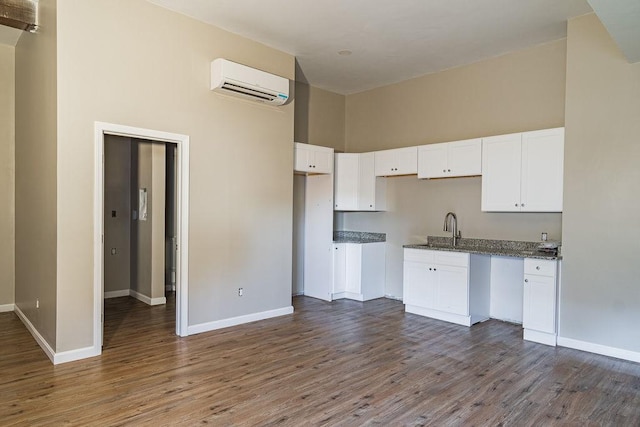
(343, 363)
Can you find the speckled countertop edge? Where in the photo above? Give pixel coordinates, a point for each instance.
(358, 237)
(509, 248)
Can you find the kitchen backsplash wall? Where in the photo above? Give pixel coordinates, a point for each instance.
(416, 209)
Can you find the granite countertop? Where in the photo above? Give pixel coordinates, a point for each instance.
(511, 248)
(358, 237)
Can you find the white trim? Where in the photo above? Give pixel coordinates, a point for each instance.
(145, 299)
(439, 315)
(117, 294)
(539, 337)
(7, 307)
(233, 321)
(73, 355)
(182, 233)
(604, 350)
(44, 345)
(56, 358)
(388, 296)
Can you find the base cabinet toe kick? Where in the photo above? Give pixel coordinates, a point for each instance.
(456, 287)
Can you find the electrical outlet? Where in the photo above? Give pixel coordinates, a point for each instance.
(240, 292)
(37, 303)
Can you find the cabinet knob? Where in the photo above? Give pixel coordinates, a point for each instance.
(434, 269)
(370, 206)
(522, 204)
(526, 280)
(516, 205)
(444, 170)
(537, 267)
(448, 170)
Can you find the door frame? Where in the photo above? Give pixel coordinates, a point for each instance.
(182, 222)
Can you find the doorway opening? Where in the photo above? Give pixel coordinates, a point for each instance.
(141, 220)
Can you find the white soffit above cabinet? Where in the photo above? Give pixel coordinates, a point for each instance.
(389, 41)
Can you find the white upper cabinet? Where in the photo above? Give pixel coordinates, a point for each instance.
(399, 161)
(312, 159)
(542, 170)
(356, 188)
(450, 159)
(523, 172)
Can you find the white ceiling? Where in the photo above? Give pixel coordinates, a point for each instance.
(391, 41)
(622, 20)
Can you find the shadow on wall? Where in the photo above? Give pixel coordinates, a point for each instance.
(302, 92)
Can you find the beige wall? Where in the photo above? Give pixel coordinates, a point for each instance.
(117, 197)
(320, 117)
(512, 93)
(148, 67)
(7, 174)
(149, 243)
(36, 174)
(601, 231)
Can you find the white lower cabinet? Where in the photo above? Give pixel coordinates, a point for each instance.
(449, 286)
(358, 270)
(539, 301)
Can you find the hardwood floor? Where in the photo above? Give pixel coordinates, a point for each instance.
(342, 363)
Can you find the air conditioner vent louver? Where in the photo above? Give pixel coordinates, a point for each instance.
(246, 82)
(246, 91)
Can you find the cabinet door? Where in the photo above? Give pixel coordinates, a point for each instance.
(501, 156)
(542, 170)
(312, 159)
(432, 161)
(346, 182)
(539, 303)
(322, 161)
(366, 182)
(407, 161)
(302, 161)
(418, 285)
(354, 267)
(399, 161)
(453, 289)
(465, 158)
(385, 162)
(339, 268)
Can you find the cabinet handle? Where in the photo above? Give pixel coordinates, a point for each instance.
(526, 280)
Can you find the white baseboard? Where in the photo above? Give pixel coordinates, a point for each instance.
(604, 350)
(233, 321)
(44, 345)
(73, 355)
(116, 294)
(393, 297)
(137, 295)
(145, 299)
(7, 307)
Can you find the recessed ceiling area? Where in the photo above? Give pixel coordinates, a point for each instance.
(389, 41)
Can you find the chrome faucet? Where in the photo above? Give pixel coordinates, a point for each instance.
(451, 221)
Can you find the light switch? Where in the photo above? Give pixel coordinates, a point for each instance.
(113, 251)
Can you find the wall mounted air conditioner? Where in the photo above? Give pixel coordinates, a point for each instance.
(239, 80)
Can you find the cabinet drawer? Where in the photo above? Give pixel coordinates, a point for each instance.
(540, 267)
(456, 259)
(419, 255)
